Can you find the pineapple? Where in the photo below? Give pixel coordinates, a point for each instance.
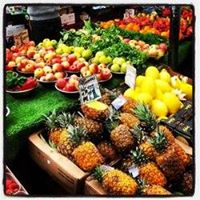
(155, 190)
(95, 110)
(87, 156)
(187, 183)
(144, 143)
(107, 150)
(151, 190)
(129, 105)
(172, 159)
(128, 119)
(148, 171)
(69, 139)
(56, 123)
(146, 117)
(116, 182)
(168, 134)
(108, 96)
(122, 138)
(93, 128)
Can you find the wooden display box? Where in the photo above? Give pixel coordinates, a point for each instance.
(59, 167)
(93, 188)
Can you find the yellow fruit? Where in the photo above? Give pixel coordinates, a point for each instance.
(131, 93)
(139, 80)
(159, 108)
(165, 76)
(172, 102)
(175, 82)
(148, 85)
(163, 86)
(144, 97)
(152, 72)
(187, 89)
(159, 94)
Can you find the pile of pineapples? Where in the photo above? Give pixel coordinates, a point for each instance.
(98, 134)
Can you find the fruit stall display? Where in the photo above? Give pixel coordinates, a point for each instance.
(153, 23)
(123, 147)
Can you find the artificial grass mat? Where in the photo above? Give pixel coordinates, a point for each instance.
(27, 113)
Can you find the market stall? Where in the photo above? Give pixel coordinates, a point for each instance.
(101, 102)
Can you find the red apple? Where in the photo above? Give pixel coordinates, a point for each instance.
(11, 64)
(69, 87)
(14, 49)
(39, 73)
(71, 58)
(57, 67)
(98, 77)
(29, 67)
(93, 68)
(61, 82)
(47, 69)
(83, 70)
(50, 77)
(72, 68)
(59, 75)
(56, 60)
(73, 76)
(105, 74)
(65, 65)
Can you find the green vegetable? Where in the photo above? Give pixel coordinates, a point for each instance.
(13, 79)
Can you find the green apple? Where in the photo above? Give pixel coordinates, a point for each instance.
(87, 53)
(109, 59)
(119, 60)
(103, 59)
(59, 51)
(66, 49)
(53, 42)
(99, 54)
(95, 60)
(78, 55)
(115, 68)
(123, 67)
(78, 50)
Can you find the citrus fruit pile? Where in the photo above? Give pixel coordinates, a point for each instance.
(162, 92)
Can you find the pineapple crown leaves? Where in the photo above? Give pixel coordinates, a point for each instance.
(113, 120)
(65, 119)
(138, 134)
(98, 173)
(77, 134)
(51, 120)
(139, 157)
(159, 141)
(142, 184)
(143, 113)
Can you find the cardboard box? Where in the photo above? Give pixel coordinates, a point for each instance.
(93, 187)
(62, 170)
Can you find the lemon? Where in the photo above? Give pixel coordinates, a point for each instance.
(148, 85)
(139, 80)
(152, 72)
(130, 93)
(172, 102)
(187, 89)
(143, 97)
(163, 86)
(165, 76)
(159, 108)
(159, 94)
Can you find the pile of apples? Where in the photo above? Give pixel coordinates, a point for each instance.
(119, 65)
(101, 58)
(70, 84)
(100, 70)
(48, 73)
(153, 51)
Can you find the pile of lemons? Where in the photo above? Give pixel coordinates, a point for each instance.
(157, 89)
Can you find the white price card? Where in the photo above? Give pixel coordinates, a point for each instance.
(134, 171)
(119, 102)
(89, 89)
(130, 76)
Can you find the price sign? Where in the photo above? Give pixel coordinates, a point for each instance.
(119, 102)
(134, 171)
(89, 89)
(130, 76)
(21, 38)
(129, 13)
(68, 19)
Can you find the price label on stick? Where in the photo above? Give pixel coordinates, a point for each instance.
(130, 76)
(89, 89)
